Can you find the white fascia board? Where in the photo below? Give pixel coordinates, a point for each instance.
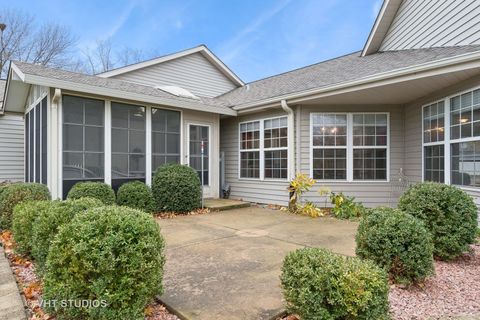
(107, 92)
(202, 49)
(446, 65)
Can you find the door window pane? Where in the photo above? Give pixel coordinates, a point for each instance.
(199, 136)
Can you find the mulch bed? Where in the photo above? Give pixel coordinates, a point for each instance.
(172, 215)
(453, 292)
(31, 286)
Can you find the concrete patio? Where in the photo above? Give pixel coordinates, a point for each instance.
(226, 265)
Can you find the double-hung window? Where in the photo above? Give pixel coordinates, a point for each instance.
(451, 140)
(250, 150)
(349, 146)
(264, 149)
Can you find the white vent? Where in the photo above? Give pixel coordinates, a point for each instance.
(177, 91)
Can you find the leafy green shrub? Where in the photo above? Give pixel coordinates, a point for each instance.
(49, 221)
(24, 215)
(346, 207)
(318, 284)
(136, 195)
(449, 214)
(397, 242)
(16, 193)
(90, 189)
(111, 254)
(176, 188)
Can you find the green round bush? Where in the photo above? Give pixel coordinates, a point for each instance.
(318, 284)
(448, 212)
(136, 195)
(24, 216)
(90, 189)
(176, 188)
(113, 255)
(397, 242)
(16, 193)
(49, 221)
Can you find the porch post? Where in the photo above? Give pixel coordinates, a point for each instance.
(54, 147)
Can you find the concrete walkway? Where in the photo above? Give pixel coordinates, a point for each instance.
(11, 304)
(227, 265)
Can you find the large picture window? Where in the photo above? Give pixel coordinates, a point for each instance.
(358, 139)
(165, 137)
(128, 143)
(83, 140)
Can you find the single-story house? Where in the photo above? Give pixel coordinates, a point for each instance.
(406, 108)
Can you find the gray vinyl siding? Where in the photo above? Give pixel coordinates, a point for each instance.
(253, 190)
(192, 72)
(431, 23)
(370, 193)
(11, 147)
(414, 136)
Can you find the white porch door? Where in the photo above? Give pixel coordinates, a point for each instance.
(199, 149)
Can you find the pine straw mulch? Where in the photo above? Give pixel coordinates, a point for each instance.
(31, 286)
(172, 215)
(453, 293)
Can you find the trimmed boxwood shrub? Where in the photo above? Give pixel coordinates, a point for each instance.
(176, 188)
(448, 212)
(111, 254)
(49, 221)
(397, 242)
(136, 195)
(16, 193)
(24, 215)
(318, 284)
(90, 189)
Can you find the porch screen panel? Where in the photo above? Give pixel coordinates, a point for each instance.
(370, 141)
(128, 143)
(83, 140)
(166, 128)
(37, 143)
(250, 150)
(275, 137)
(44, 141)
(433, 142)
(27, 147)
(329, 146)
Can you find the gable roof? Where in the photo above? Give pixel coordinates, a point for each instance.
(209, 55)
(380, 27)
(344, 71)
(36, 74)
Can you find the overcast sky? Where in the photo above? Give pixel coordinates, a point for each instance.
(255, 38)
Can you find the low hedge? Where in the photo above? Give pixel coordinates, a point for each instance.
(90, 189)
(318, 284)
(49, 221)
(176, 188)
(397, 242)
(448, 212)
(24, 216)
(16, 193)
(136, 195)
(112, 255)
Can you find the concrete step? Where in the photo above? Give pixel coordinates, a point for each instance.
(225, 204)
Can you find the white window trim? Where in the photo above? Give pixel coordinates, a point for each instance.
(261, 151)
(350, 148)
(447, 142)
(199, 124)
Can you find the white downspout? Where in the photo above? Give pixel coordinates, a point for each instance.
(291, 139)
(54, 150)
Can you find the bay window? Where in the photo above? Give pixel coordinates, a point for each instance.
(349, 146)
(451, 140)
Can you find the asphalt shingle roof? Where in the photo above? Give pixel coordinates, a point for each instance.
(343, 69)
(125, 86)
